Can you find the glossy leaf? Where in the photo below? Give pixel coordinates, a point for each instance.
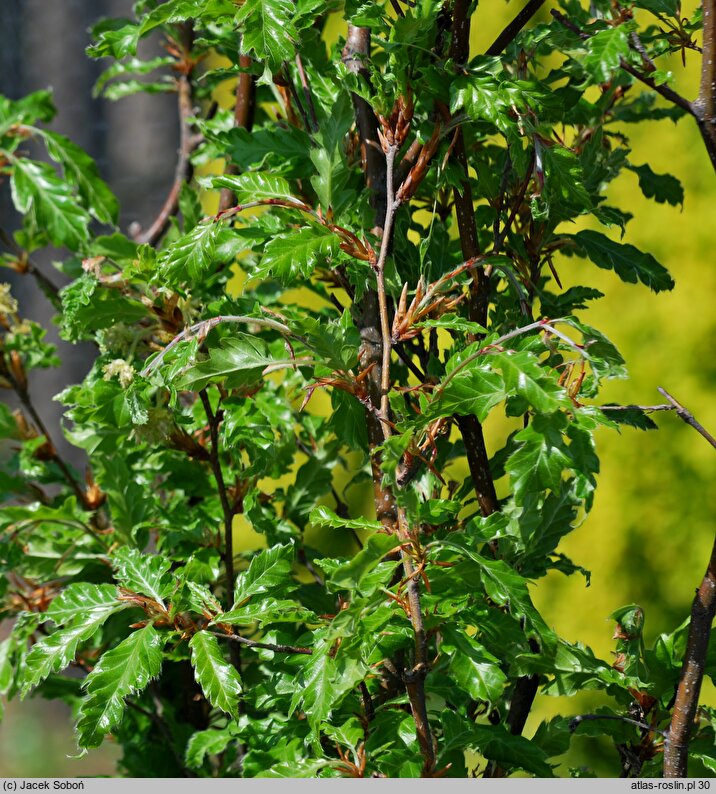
(218, 679)
(143, 573)
(37, 190)
(268, 30)
(121, 672)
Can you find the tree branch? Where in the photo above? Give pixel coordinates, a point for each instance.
(214, 420)
(688, 417)
(500, 44)
(269, 646)
(703, 609)
(244, 109)
(182, 172)
(376, 342)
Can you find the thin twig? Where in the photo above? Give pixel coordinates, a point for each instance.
(269, 646)
(182, 172)
(214, 420)
(392, 205)
(688, 417)
(164, 730)
(575, 721)
(24, 397)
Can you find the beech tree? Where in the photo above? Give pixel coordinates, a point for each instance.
(393, 216)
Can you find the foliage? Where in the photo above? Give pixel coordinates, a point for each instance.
(430, 305)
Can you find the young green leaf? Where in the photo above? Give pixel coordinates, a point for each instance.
(269, 571)
(238, 361)
(50, 202)
(143, 573)
(219, 680)
(294, 256)
(605, 52)
(663, 188)
(268, 30)
(81, 170)
(56, 651)
(120, 672)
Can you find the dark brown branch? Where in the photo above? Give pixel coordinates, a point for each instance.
(214, 420)
(469, 426)
(244, 110)
(703, 609)
(269, 646)
(508, 35)
(355, 52)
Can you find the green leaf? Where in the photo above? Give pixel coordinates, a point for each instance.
(256, 186)
(524, 376)
(324, 517)
(476, 389)
(663, 188)
(192, 255)
(474, 669)
(268, 610)
(50, 202)
(81, 600)
(659, 7)
(356, 573)
(295, 255)
(81, 170)
(209, 742)
(540, 459)
(29, 109)
(564, 195)
(269, 570)
(219, 680)
(53, 653)
(143, 573)
(628, 262)
(121, 671)
(268, 30)
(238, 361)
(495, 743)
(632, 416)
(605, 51)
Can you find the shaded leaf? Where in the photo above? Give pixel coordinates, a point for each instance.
(628, 262)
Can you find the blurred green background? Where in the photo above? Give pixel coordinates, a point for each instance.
(648, 538)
